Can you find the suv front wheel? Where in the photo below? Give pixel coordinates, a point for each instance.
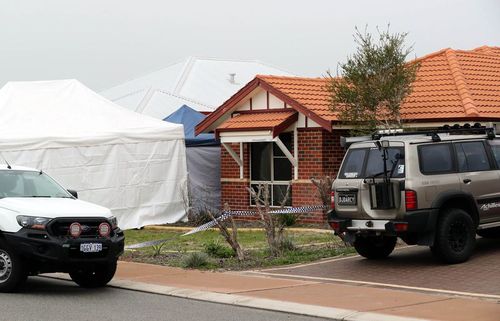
(455, 236)
(375, 247)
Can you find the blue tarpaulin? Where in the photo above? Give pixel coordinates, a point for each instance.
(189, 117)
(202, 160)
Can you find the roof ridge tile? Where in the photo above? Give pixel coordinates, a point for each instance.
(290, 77)
(459, 79)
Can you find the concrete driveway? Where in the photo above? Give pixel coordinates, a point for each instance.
(410, 268)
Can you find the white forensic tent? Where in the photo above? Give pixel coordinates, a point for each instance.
(202, 83)
(131, 163)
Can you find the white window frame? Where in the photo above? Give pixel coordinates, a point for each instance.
(272, 182)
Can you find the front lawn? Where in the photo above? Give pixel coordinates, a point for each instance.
(208, 250)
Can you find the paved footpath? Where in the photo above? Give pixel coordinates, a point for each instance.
(322, 299)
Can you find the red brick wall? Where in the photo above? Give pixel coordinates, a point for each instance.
(320, 154)
(233, 189)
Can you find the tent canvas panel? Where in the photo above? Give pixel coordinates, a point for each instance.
(203, 164)
(141, 183)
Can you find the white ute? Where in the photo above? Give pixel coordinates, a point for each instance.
(44, 228)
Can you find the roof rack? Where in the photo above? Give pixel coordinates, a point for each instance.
(477, 129)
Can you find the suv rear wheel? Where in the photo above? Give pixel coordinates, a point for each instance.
(12, 271)
(455, 236)
(375, 247)
(94, 277)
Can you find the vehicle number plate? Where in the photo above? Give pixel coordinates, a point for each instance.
(90, 247)
(347, 199)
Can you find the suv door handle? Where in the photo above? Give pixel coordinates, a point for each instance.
(467, 180)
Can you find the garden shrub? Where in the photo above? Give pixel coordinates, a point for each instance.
(195, 260)
(216, 249)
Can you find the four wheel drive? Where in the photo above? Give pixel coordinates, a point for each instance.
(44, 228)
(437, 189)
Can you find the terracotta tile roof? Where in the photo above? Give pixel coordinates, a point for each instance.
(456, 84)
(450, 84)
(274, 121)
(309, 92)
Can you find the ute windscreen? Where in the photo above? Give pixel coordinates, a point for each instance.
(368, 162)
(29, 184)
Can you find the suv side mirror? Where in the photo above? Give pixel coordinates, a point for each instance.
(73, 192)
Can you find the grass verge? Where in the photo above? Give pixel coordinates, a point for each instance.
(178, 250)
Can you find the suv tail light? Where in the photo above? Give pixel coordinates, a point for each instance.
(411, 200)
(333, 200)
(335, 225)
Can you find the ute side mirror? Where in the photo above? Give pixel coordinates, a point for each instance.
(73, 192)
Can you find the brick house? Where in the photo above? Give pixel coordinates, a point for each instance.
(281, 130)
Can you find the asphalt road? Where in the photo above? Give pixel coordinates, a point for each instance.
(54, 300)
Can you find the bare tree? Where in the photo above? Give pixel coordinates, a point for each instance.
(324, 190)
(200, 212)
(230, 237)
(274, 226)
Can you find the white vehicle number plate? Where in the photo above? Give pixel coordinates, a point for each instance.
(90, 247)
(347, 199)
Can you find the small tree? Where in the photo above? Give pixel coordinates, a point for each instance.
(274, 225)
(199, 212)
(368, 91)
(323, 191)
(230, 237)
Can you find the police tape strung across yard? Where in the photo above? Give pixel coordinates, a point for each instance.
(227, 214)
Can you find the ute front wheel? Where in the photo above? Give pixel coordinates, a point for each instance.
(94, 277)
(375, 247)
(12, 270)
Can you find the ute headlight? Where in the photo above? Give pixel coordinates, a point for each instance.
(113, 222)
(33, 222)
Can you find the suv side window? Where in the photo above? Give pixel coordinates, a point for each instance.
(436, 159)
(472, 157)
(495, 147)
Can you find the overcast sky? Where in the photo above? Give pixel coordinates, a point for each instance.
(105, 42)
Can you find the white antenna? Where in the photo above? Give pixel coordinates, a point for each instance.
(6, 162)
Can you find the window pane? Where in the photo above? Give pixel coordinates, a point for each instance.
(286, 138)
(353, 164)
(496, 153)
(261, 161)
(282, 169)
(255, 187)
(435, 159)
(279, 193)
(395, 159)
(476, 156)
(462, 162)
